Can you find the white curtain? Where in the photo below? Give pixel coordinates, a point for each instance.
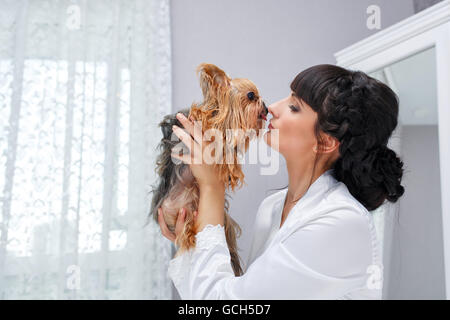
(83, 84)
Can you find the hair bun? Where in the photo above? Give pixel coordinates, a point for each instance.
(373, 174)
(391, 168)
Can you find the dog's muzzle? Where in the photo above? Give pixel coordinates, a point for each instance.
(264, 112)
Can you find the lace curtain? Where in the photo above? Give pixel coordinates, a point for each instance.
(83, 85)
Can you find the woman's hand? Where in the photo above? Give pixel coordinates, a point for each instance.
(205, 174)
(212, 190)
(178, 225)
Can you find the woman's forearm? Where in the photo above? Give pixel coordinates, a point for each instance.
(211, 206)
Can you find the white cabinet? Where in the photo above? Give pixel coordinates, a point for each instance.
(413, 58)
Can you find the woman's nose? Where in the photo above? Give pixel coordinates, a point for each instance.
(271, 109)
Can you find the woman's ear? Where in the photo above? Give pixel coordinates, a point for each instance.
(329, 144)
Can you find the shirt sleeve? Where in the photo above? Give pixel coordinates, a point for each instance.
(324, 259)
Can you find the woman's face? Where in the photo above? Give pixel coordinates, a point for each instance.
(295, 121)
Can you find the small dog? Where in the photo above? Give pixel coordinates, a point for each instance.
(228, 104)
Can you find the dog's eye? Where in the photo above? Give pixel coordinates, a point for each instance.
(251, 95)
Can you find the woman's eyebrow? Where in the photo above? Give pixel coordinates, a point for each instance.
(294, 97)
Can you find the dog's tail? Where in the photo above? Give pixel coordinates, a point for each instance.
(232, 232)
(186, 239)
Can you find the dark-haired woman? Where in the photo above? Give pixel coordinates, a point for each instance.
(315, 239)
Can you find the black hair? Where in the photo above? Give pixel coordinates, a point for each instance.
(361, 112)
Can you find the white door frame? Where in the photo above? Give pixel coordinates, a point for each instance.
(426, 29)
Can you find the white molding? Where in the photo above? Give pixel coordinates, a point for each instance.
(397, 33)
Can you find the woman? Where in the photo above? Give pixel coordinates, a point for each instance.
(316, 239)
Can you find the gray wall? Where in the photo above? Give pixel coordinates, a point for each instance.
(268, 42)
(417, 257)
(420, 5)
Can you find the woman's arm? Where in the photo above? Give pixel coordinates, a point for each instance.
(211, 206)
(324, 259)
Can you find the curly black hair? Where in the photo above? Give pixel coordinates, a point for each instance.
(361, 112)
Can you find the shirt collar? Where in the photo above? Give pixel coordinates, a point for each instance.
(317, 189)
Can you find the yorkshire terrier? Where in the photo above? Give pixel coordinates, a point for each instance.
(228, 104)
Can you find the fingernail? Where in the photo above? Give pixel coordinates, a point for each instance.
(180, 115)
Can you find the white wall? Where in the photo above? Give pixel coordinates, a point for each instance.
(269, 42)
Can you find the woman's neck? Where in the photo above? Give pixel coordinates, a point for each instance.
(300, 178)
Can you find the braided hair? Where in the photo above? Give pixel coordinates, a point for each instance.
(361, 112)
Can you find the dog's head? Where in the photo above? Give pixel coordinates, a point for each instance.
(234, 108)
(230, 103)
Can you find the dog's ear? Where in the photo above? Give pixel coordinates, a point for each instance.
(212, 79)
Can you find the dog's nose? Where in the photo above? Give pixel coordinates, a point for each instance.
(266, 111)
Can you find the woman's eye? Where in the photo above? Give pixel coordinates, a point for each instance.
(293, 108)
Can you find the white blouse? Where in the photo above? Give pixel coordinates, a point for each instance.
(326, 249)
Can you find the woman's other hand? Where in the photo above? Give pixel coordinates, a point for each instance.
(178, 225)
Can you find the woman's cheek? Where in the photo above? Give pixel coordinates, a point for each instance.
(298, 143)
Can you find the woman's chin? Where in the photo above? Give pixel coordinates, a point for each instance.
(268, 139)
